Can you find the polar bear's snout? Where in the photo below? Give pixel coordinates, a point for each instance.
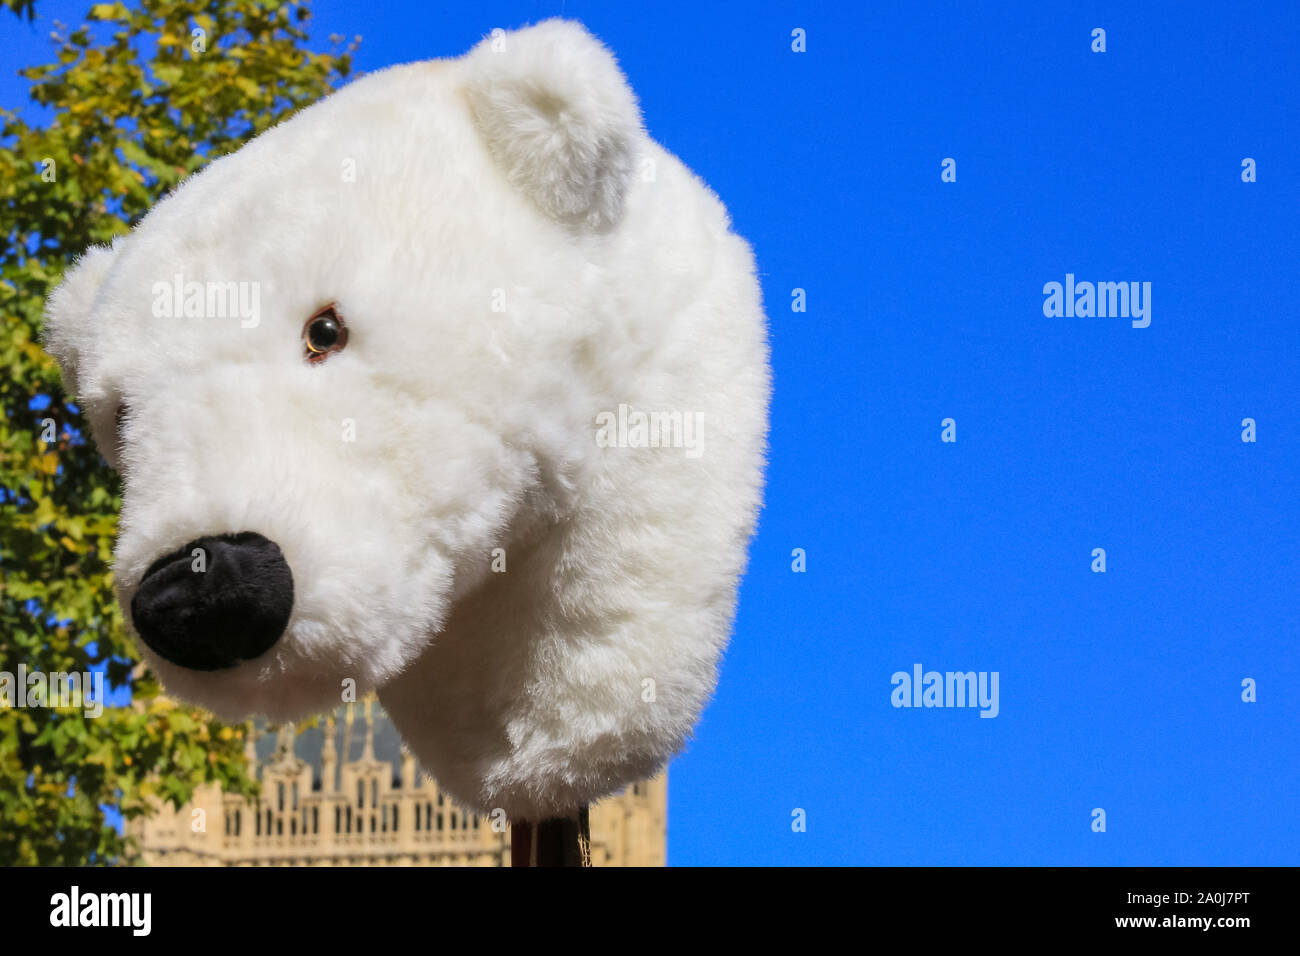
(216, 601)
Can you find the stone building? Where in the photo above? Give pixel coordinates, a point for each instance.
(348, 794)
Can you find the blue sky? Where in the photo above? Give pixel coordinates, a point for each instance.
(1119, 690)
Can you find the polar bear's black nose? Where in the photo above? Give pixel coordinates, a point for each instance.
(215, 602)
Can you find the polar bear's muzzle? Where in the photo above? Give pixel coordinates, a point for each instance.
(216, 601)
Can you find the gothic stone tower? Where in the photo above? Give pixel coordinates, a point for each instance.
(349, 795)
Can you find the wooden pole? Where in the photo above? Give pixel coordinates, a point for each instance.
(556, 841)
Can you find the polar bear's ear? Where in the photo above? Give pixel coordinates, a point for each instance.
(558, 117)
(68, 332)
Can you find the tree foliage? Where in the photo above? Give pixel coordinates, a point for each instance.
(24, 8)
(138, 98)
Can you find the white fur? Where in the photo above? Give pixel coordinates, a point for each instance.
(559, 118)
(526, 174)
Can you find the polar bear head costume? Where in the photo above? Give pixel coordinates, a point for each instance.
(455, 386)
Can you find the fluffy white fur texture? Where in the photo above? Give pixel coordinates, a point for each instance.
(516, 176)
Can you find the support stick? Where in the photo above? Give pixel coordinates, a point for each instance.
(556, 841)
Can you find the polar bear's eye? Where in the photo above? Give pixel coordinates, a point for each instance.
(324, 333)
